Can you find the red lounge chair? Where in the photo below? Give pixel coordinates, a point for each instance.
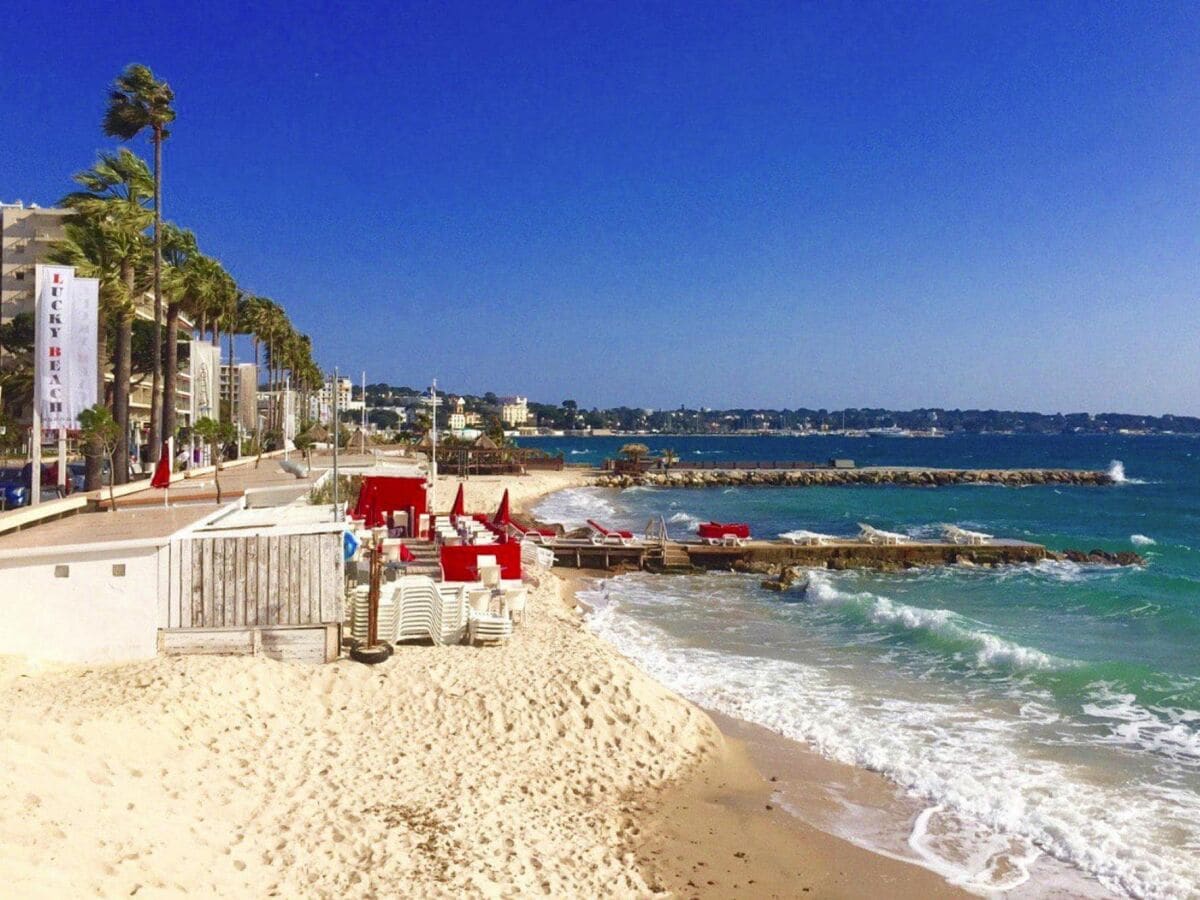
(533, 534)
(609, 535)
(723, 532)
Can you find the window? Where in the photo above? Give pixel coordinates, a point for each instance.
(20, 276)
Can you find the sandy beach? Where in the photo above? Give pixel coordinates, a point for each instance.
(548, 766)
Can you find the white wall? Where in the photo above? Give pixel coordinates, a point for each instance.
(91, 615)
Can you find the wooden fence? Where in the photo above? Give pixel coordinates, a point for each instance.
(254, 581)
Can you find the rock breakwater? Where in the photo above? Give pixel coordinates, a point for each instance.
(909, 477)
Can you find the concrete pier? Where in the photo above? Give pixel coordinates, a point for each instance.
(765, 556)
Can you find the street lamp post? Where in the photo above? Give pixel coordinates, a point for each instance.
(433, 402)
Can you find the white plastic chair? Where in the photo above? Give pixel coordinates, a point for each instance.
(514, 604)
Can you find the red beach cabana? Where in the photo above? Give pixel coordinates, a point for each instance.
(405, 491)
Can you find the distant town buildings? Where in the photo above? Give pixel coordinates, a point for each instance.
(239, 386)
(321, 403)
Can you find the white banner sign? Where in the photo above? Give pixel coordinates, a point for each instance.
(67, 309)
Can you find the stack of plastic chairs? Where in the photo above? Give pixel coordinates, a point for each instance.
(450, 623)
(535, 556)
(417, 600)
(482, 623)
(360, 609)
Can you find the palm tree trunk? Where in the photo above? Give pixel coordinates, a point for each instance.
(120, 473)
(93, 453)
(156, 424)
(171, 375)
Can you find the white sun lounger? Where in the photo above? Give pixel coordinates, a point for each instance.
(533, 555)
(878, 536)
(956, 535)
(809, 538)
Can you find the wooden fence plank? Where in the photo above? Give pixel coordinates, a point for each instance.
(238, 576)
(334, 587)
(186, 583)
(218, 618)
(306, 578)
(276, 575)
(252, 580)
(263, 550)
(206, 583)
(196, 552)
(293, 597)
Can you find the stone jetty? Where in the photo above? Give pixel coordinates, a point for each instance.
(889, 475)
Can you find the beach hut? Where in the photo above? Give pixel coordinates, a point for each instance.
(358, 442)
(397, 489)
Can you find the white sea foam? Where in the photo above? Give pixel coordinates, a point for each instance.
(989, 650)
(641, 489)
(682, 518)
(1116, 471)
(1170, 732)
(572, 508)
(955, 756)
(1064, 570)
(1141, 540)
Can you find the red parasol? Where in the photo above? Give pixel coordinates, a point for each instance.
(162, 471)
(502, 516)
(460, 504)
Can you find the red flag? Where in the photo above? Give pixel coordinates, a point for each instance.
(162, 471)
(460, 503)
(502, 517)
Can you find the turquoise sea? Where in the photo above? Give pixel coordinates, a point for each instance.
(1041, 718)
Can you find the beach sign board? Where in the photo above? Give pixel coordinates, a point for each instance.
(66, 311)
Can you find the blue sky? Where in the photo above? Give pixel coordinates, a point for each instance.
(909, 204)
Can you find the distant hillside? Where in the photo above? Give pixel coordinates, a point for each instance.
(569, 415)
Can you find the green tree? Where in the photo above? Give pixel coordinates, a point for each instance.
(216, 435)
(101, 430)
(138, 101)
(105, 239)
(184, 283)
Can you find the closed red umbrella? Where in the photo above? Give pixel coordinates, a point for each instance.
(502, 516)
(460, 504)
(162, 471)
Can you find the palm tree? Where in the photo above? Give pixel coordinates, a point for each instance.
(138, 101)
(89, 247)
(113, 201)
(181, 255)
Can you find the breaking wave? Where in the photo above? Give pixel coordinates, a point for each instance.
(962, 759)
(572, 508)
(955, 633)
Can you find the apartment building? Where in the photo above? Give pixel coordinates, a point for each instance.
(239, 387)
(514, 411)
